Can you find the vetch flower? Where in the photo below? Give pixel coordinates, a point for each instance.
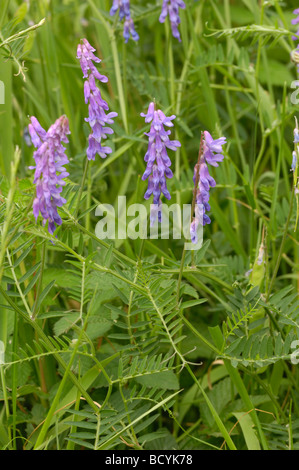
(123, 6)
(261, 255)
(129, 30)
(50, 159)
(213, 149)
(294, 161)
(294, 168)
(210, 153)
(295, 21)
(296, 147)
(26, 137)
(124, 12)
(98, 119)
(171, 8)
(157, 159)
(295, 52)
(295, 57)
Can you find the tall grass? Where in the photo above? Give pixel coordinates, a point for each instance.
(136, 344)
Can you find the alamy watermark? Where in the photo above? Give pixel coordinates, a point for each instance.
(2, 353)
(295, 95)
(133, 222)
(2, 93)
(295, 354)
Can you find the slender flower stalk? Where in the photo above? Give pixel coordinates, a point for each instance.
(50, 159)
(295, 53)
(171, 8)
(294, 169)
(261, 256)
(294, 162)
(157, 159)
(295, 21)
(125, 13)
(295, 153)
(210, 153)
(129, 30)
(98, 119)
(123, 6)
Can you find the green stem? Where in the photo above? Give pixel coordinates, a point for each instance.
(14, 383)
(285, 233)
(89, 197)
(5, 396)
(49, 346)
(120, 88)
(9, 210)
(20, 34)
(199, 335)
(181, 275)
(40, 281)
(55, 402)
(116, 252)
(4, 12)
(215, 415)
(128, 415)
(236, 379)
(81, 188)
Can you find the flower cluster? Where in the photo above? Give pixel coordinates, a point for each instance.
(124, 12)
(158, 162)
(295, 53)
(50, 159)
(210, 153)
(295, 21)
(171, 8)
(295, 168)
(296, 151)
(98, 119)
(295, 160)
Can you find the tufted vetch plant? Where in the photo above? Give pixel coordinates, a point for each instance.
(50, 173)
(149, 208)
(97, 119)
(157, 159)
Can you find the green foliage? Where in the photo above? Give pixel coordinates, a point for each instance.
(138, 344)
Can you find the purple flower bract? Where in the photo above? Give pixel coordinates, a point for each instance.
(211, 153)
(50, 159)
(295, 21)
(98, 119)
(157, 159)
(171, 8)
(124, 12)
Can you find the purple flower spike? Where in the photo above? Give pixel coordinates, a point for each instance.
(210, 153)
(171, 8)
(129, 30)
(124, 12)
(158, 162)
(294, 161)
(295, 21)
(296, 148)
(98, 119)
(123, 6)
(50, 159)
(295, 52)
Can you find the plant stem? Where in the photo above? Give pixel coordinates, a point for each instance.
(40, 281)
(281, 245)
(81, 188)
(49, 346)
(215, 415)
(5, 396)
